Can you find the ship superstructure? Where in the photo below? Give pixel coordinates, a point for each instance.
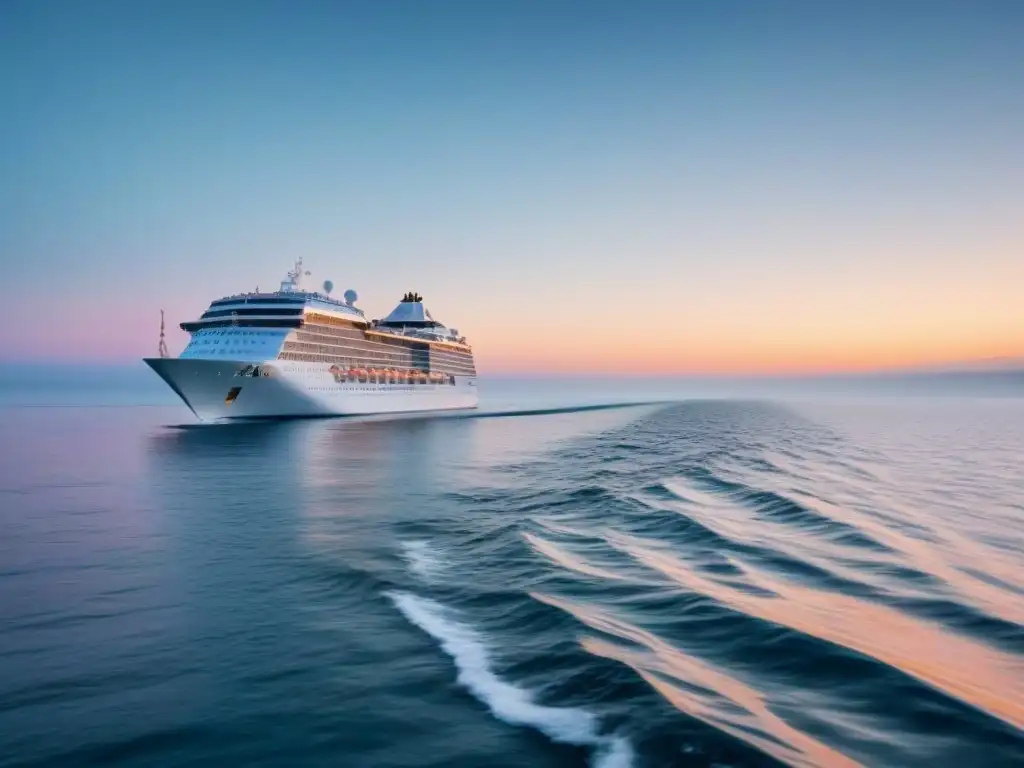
(298, 352)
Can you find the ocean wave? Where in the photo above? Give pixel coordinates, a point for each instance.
(961, 668)
(508, 702)
(422, 558)
(700, 689)
(576, 563)
(732, 552)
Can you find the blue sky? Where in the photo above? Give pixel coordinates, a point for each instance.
(768, 185)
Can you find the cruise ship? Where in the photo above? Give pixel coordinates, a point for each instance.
(295, 352)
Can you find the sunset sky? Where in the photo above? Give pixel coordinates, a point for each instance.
(589, 186)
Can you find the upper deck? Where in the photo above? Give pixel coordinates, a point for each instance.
(293, 307)
(283, 308)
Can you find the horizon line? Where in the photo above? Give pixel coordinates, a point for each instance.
(995, 365)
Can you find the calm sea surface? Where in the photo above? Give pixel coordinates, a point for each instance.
(724, 580)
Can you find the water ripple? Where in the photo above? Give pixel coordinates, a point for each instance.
(702, 584)
(774, 580)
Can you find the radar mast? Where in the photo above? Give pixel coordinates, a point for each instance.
(294, 281)
(162, 349)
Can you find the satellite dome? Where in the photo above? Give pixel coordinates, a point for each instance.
(351, 296)
(328, 286)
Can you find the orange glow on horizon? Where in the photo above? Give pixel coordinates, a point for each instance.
(651, 359)
(660, 343)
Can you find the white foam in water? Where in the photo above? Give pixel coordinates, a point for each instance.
(615, 753)
(508, 703)
(423, 561)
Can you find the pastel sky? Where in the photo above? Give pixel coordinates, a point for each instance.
(577, 186)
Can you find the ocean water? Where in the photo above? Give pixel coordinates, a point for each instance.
(719, 578)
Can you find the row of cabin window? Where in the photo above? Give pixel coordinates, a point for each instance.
(355, 333)
(332, 321)
(391, 377)
(340, 326)
(332, 333)
(457, 357)
(418, 356)
(361, 344)
(357, 338)
(406, 360)
(362, 362)
(355, 342)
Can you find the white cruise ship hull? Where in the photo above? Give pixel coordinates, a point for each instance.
(214, 390)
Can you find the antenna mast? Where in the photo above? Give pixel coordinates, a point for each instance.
(162, 350)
